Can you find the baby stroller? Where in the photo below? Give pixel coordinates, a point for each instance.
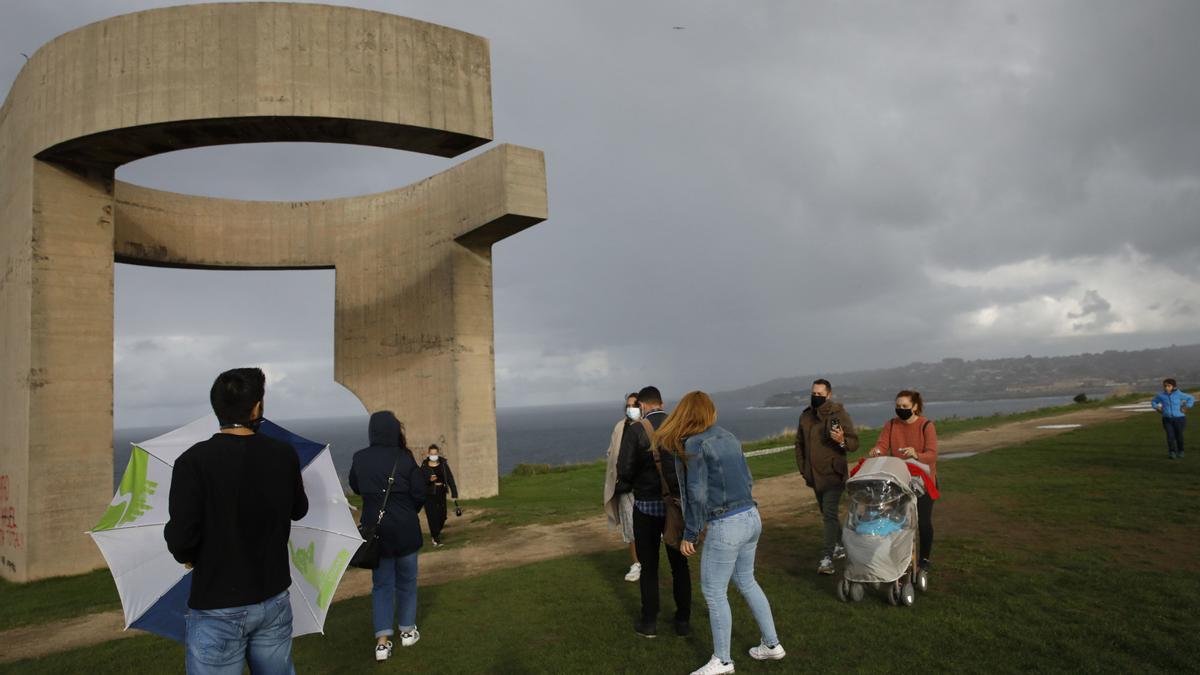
(880, 532)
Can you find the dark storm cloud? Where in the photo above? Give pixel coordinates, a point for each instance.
(779, 188)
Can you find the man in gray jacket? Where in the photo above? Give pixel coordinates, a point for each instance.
(824, 436)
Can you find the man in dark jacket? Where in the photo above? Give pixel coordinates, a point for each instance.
(638, 473)
(394, 582)
(232, 502)
(824, 436)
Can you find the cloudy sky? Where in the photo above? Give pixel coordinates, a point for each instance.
(778, 188)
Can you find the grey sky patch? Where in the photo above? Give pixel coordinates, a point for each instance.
(780, 188)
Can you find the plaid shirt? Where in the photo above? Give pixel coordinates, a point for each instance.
(656, 509)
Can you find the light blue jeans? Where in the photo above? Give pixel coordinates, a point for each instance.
(222, 641)
(729, 552)
(394, 587)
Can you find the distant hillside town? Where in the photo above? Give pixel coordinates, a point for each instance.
(1110, 372)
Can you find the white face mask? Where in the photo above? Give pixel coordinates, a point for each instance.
(433, 458)
(634, 413)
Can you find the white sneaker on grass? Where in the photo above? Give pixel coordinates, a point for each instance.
(410, 638)
(825, 566)
(384, 651)
(714, 666)
(765, 653)
(634, 573)
(839, 552)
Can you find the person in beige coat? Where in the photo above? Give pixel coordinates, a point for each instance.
(620, 507)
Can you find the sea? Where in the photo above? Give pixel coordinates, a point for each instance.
(566, 434)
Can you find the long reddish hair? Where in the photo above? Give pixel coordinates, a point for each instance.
(695, 413)
(915, 397)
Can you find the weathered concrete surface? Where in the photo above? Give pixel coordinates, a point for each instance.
(414, 297)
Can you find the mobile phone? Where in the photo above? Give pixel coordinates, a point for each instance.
(836, 424)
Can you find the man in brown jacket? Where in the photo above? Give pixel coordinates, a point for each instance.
(824, 437)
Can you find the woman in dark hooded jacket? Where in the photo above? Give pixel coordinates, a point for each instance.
(439, 483)
(394, 587)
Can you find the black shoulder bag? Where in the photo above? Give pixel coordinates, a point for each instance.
(367, 555)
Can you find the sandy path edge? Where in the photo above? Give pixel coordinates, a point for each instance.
(777, 497)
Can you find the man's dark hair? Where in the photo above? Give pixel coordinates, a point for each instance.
(825, 382)
(650, 395)
(433, 446)
(1170, 381)
(235, 392)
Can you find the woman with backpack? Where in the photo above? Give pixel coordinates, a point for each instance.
(389, 480)
(715, 489)
(909, 435)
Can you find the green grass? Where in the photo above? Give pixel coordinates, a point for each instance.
(56, 598)
(1074, 553)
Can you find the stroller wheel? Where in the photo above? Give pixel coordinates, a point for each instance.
(907, 595)
(893, 594)
(843, 590)
(923, 581)
(856, 592)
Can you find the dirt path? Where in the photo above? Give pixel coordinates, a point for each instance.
(782, 497)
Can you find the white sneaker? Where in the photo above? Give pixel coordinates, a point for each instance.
(839, 552)
(410, 638)
(384, 651)
(634, 573)
(714, 667)
(825, 566)
(765, 653)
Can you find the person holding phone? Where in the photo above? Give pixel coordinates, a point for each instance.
(824, 436)
(909, 435)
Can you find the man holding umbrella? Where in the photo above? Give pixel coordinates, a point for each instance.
(232, 502)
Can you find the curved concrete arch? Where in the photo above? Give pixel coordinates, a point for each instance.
(413, 265)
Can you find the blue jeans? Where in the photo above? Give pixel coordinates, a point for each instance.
(394, 587)
(729, 552)
(221, 641)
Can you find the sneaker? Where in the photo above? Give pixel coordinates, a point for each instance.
(683, 628)
(764, 653)
(410, 638)
(825, 566)
(436, 543)
(384, 651)
(839, 552)
(924, 564)
(647, 628)
(634, 573)
(714, 666)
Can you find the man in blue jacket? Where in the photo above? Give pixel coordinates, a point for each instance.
(1173, 405)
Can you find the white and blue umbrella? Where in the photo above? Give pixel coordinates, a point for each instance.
(154, 587)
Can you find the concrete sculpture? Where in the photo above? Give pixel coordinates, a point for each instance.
(413, 266)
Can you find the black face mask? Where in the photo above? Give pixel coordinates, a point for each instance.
(904, 413)
(818, 401)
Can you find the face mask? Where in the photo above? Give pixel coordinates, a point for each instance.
(818, 401)
(634, 413)
(904, 413)
(433, 458)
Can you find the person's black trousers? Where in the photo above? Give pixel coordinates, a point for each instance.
(1174, 427)
(828, 502)
(435, 513)
(925, 525)
(647, 533)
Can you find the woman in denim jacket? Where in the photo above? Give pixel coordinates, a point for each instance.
(715, 485)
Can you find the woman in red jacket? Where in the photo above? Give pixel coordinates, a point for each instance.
(909, 435)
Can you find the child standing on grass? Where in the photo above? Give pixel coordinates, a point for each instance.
(1173, 404)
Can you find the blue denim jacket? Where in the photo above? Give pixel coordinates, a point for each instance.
(714, 481)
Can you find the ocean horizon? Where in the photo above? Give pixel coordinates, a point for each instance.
(568, 434)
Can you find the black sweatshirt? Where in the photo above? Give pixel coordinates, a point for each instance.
(232, 503)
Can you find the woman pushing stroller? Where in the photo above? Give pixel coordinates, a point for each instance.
(909, 435)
